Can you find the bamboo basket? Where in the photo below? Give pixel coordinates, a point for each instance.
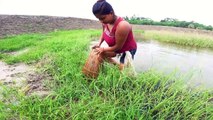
(92, 65)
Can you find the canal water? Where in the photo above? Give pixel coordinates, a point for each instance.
(193, 65)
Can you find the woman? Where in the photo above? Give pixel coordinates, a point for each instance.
(117, 33)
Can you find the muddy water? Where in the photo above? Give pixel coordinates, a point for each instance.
(195, 66)
(13, 74)
(24, 78)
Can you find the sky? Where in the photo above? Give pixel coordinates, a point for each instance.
(183, 10)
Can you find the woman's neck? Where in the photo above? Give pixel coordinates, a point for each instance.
(114, 20)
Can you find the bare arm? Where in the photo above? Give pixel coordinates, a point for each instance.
(121, 35)
(101, 39)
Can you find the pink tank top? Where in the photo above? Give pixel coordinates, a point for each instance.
(109, 37)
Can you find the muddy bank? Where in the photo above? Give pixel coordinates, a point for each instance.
(14, 74)
(23, 77)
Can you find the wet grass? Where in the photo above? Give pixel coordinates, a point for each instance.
(180, 38)
(113, 95)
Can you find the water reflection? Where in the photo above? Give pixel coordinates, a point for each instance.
(195, 64)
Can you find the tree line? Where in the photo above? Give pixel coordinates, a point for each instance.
(168, 22)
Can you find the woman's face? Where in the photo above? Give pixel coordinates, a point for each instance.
(108, 18)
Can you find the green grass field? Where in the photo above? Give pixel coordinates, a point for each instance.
(150, 95)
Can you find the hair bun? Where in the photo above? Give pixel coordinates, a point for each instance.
(101, 0)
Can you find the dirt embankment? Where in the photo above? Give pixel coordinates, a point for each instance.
(18, 24)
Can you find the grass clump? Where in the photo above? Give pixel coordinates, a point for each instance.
(150, 95)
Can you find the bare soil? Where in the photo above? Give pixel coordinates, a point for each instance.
(19, 24)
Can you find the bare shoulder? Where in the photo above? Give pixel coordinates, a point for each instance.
(124, 25)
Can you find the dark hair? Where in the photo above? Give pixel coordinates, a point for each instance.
(102, 7)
